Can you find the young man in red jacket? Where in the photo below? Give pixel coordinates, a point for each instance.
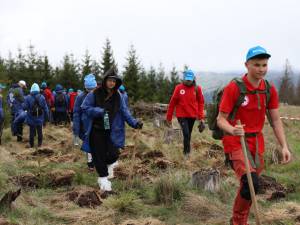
(188, 101)
(251, 113)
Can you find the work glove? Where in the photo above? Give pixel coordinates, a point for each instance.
(139, 125)
(201, 126)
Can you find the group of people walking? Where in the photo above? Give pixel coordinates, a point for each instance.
(41, 105)
(99, 114)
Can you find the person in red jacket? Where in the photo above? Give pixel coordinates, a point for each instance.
(188, 101)
(251, 113)
(47, 93)
(72, 96)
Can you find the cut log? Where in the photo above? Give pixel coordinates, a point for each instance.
(207, 179)
(8, 198)
(142, 109)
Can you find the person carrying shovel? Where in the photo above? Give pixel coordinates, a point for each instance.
(260, 99)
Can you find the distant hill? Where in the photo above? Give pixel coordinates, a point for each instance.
(210, 81)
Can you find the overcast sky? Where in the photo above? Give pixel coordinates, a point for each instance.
(207, 35)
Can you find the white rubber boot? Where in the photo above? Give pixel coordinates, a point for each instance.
(104, 184)
(110, 169)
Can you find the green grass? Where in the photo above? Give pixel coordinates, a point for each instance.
(125, 202)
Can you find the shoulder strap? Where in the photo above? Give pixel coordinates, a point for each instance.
(268, 91)
(243, 91)
(268, 97)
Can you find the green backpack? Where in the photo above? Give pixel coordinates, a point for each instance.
(213, 108)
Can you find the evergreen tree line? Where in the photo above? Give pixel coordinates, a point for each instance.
(153, 85)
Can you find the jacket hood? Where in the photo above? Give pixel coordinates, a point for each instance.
(112, 73)
(59, 88)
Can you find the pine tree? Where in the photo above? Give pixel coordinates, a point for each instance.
(131, 75)
(107, 61)
(163, 84)
(96, 70)
(11, 69)
(297, 92)
(174, 80)
(144, 91)
(3, 72)
(286, 90)
(69, 76)
(87, 65)
(44, 70)
(152, 84)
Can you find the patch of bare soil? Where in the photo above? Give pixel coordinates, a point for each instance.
(65, 158)
(43, 152)
(27, 180)
(8, 198)
(5, 222)
(272, 189)
(85, 198)
(59, 178)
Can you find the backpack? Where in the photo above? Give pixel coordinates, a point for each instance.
(36, 109)
(60, 100)
(213, 109)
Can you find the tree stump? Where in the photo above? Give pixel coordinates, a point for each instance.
(159, 120)
(172, 134)
(207, 179)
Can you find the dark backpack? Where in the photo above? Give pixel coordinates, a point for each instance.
(60, 100)
(36, 109)
(213, 109)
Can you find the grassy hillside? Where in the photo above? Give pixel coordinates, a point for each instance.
(153, 183)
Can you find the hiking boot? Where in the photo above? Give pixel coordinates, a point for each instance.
(29, 146)
(19, 138)
(104, 184)
(91, 167)
(187, 156)
(110, 169)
